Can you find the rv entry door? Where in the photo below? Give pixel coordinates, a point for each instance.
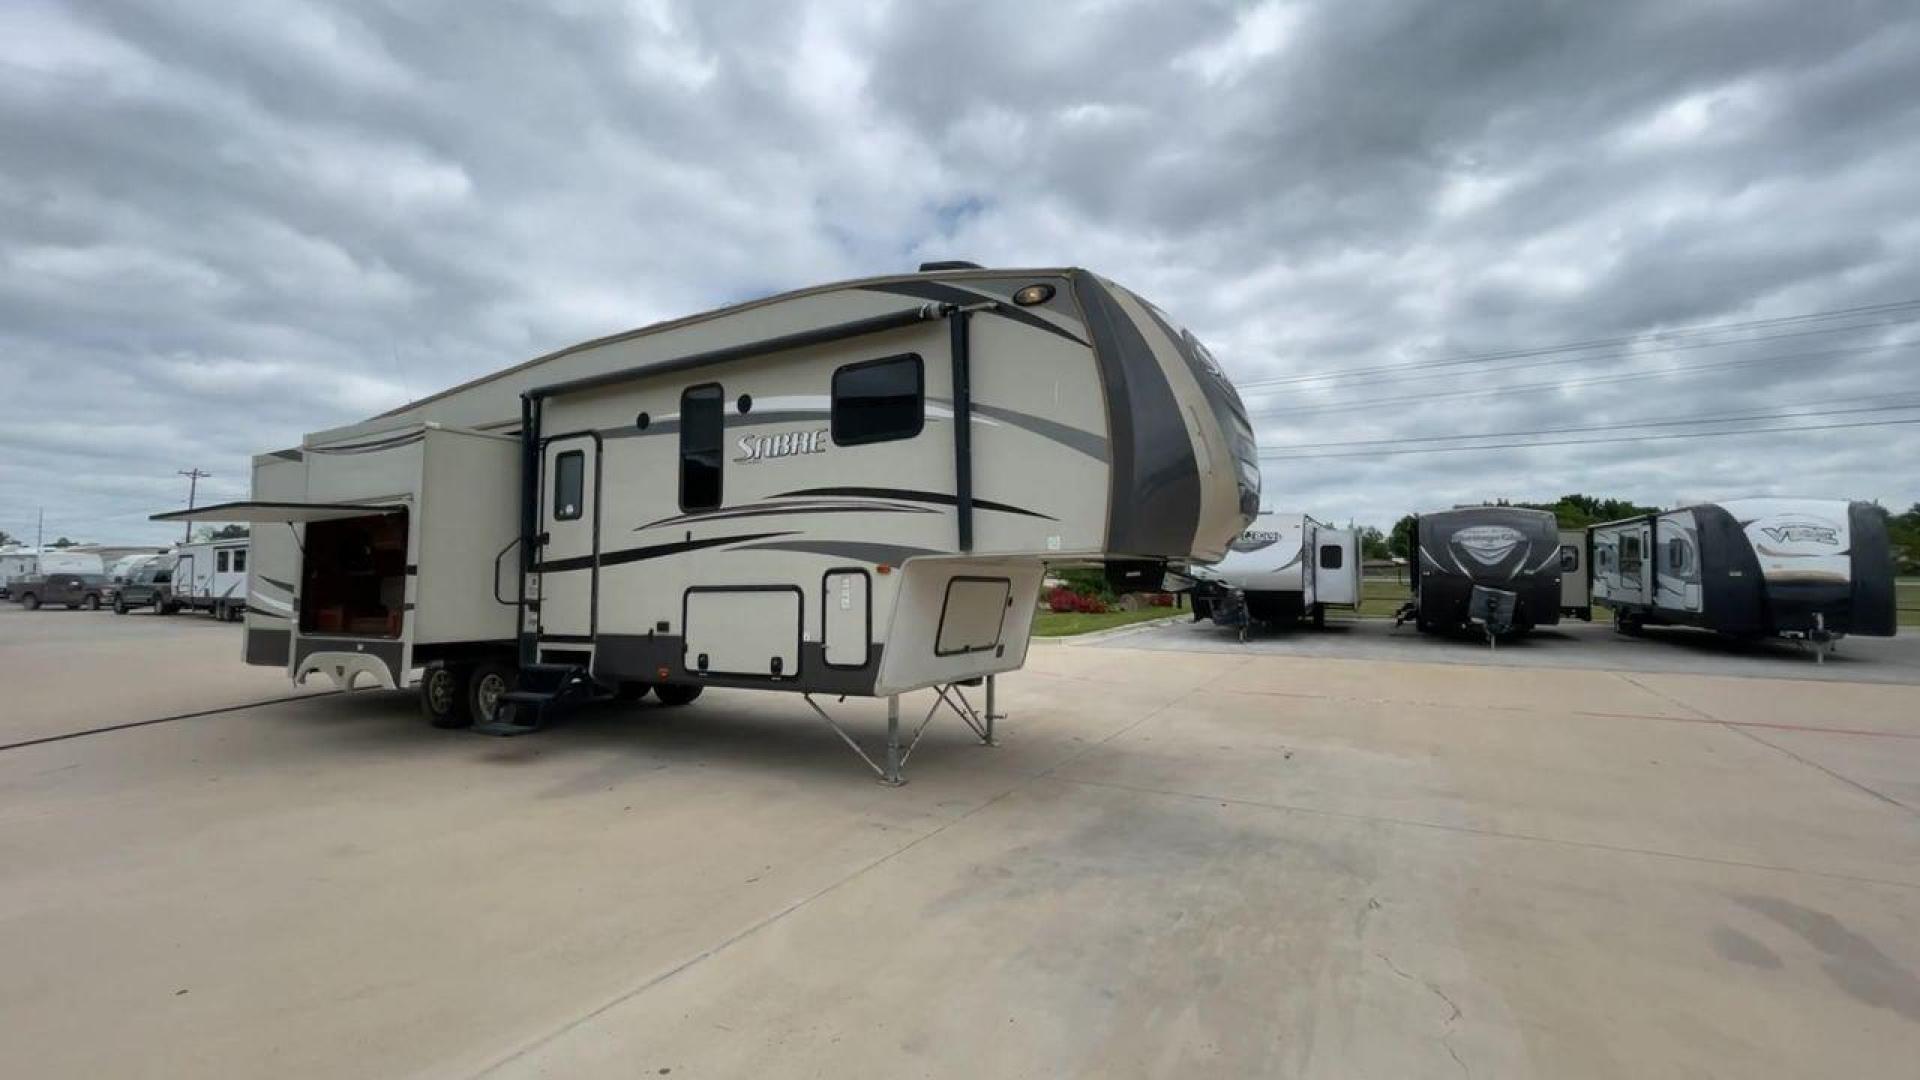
(569, 563)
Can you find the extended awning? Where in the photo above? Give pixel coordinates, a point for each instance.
(290, 512)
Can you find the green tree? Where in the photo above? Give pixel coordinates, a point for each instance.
(1373, 544)
(63, 542)
(230, 532)
(1400, 542)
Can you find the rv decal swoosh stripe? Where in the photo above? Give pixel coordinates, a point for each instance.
(1086, 442)
(287, 455)
(278, 584)
(778, 511)
(932, 290)
(652, 551)
(935, 497)
(891, 554)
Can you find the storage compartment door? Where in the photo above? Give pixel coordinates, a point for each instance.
(1336, 567)
(971, 618)
(846, 618)
(751, 631)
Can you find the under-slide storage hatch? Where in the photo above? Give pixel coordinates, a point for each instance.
(752, 631)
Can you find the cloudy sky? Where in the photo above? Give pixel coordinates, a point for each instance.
(223, 225)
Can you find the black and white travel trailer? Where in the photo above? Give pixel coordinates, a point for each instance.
(849, 489)
(209, 576)
(1283, 568)
(1817, 569)
(1576, 577)
(1496, 565)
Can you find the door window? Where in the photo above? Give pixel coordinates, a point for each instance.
(701, 423)
(1331, 556)
(220, 560)
(239, 560)
(569, 485)
(1569, 558)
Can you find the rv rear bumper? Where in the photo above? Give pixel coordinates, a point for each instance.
(345, 660)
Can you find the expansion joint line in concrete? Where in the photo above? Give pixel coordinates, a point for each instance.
(163, 720)
(1740, 728)
(1491, 834)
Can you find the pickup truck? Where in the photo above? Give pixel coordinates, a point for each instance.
(149, 585)
(73, 590)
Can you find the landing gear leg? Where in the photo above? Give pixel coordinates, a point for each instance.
(891, 777)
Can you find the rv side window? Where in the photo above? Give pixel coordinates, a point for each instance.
(1676, 554)
(240, 560)
(1330, 556)
(1569, 558)
(878, 400)
(701, 421)
(1630, 554)
(220, 561)
(569, 485)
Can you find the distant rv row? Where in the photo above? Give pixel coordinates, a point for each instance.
(209, 577)
(1817, 569)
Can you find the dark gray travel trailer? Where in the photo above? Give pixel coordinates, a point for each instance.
(1800, 568)
(1510, 554)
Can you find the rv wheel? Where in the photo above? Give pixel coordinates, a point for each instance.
(485, 684)
(443, 697)
(671, 694)
(632, 691)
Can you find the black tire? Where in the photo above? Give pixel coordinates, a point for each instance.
(676, 694)
(443, 697)
(486, 681)
(159, 606)
(73, 607)
(631, 692)
(119, 606)
(30, 601)
(1319, 616)
(91, 603)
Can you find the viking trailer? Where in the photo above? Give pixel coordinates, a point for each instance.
(1282, 568)
(1506, 556)
(1817, 569)
(850, 489)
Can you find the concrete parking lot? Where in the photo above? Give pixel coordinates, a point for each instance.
(1179, 862)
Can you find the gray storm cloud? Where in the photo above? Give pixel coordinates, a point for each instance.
(222, 226)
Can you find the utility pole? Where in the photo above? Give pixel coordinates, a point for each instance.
(194, 476)
(39, 538)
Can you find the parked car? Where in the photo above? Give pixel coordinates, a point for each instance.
(149, 586)
(73, 590)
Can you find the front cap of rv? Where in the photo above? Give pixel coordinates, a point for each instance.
(1186, 474)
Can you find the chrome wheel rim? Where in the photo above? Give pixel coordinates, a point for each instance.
(440, 691)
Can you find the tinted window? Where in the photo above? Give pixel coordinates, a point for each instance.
(163, 577)
(220, 561)
(1630, 554)
(1569, 558)
(700, 430)
(569, 484)
(878, 400)
(239, 560)
(1330, 556)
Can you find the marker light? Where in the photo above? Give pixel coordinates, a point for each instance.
(1033, 294)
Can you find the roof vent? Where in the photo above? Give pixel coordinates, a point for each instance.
(949, 264)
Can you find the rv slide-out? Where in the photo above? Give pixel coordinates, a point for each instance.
(1281, 569)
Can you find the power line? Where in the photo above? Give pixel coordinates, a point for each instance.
(1617, 426)
(1552, 361)
(1591, 442)
(1631, 376)
(1602, 343)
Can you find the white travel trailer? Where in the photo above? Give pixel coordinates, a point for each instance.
(848, 489)
(23, 562)
(1817, 569)
(1282, 568)
(209, 576)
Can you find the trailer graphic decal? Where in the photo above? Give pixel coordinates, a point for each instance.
(1802, 533)
(1253, 540)
(1488, 545)
(754, 448)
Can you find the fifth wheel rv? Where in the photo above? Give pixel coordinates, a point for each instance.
(848, 489)
(1479, 554)
(1283, 568)
(1817, 569)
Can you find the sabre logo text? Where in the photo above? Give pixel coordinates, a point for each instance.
(1802, 534)
(787, 444)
